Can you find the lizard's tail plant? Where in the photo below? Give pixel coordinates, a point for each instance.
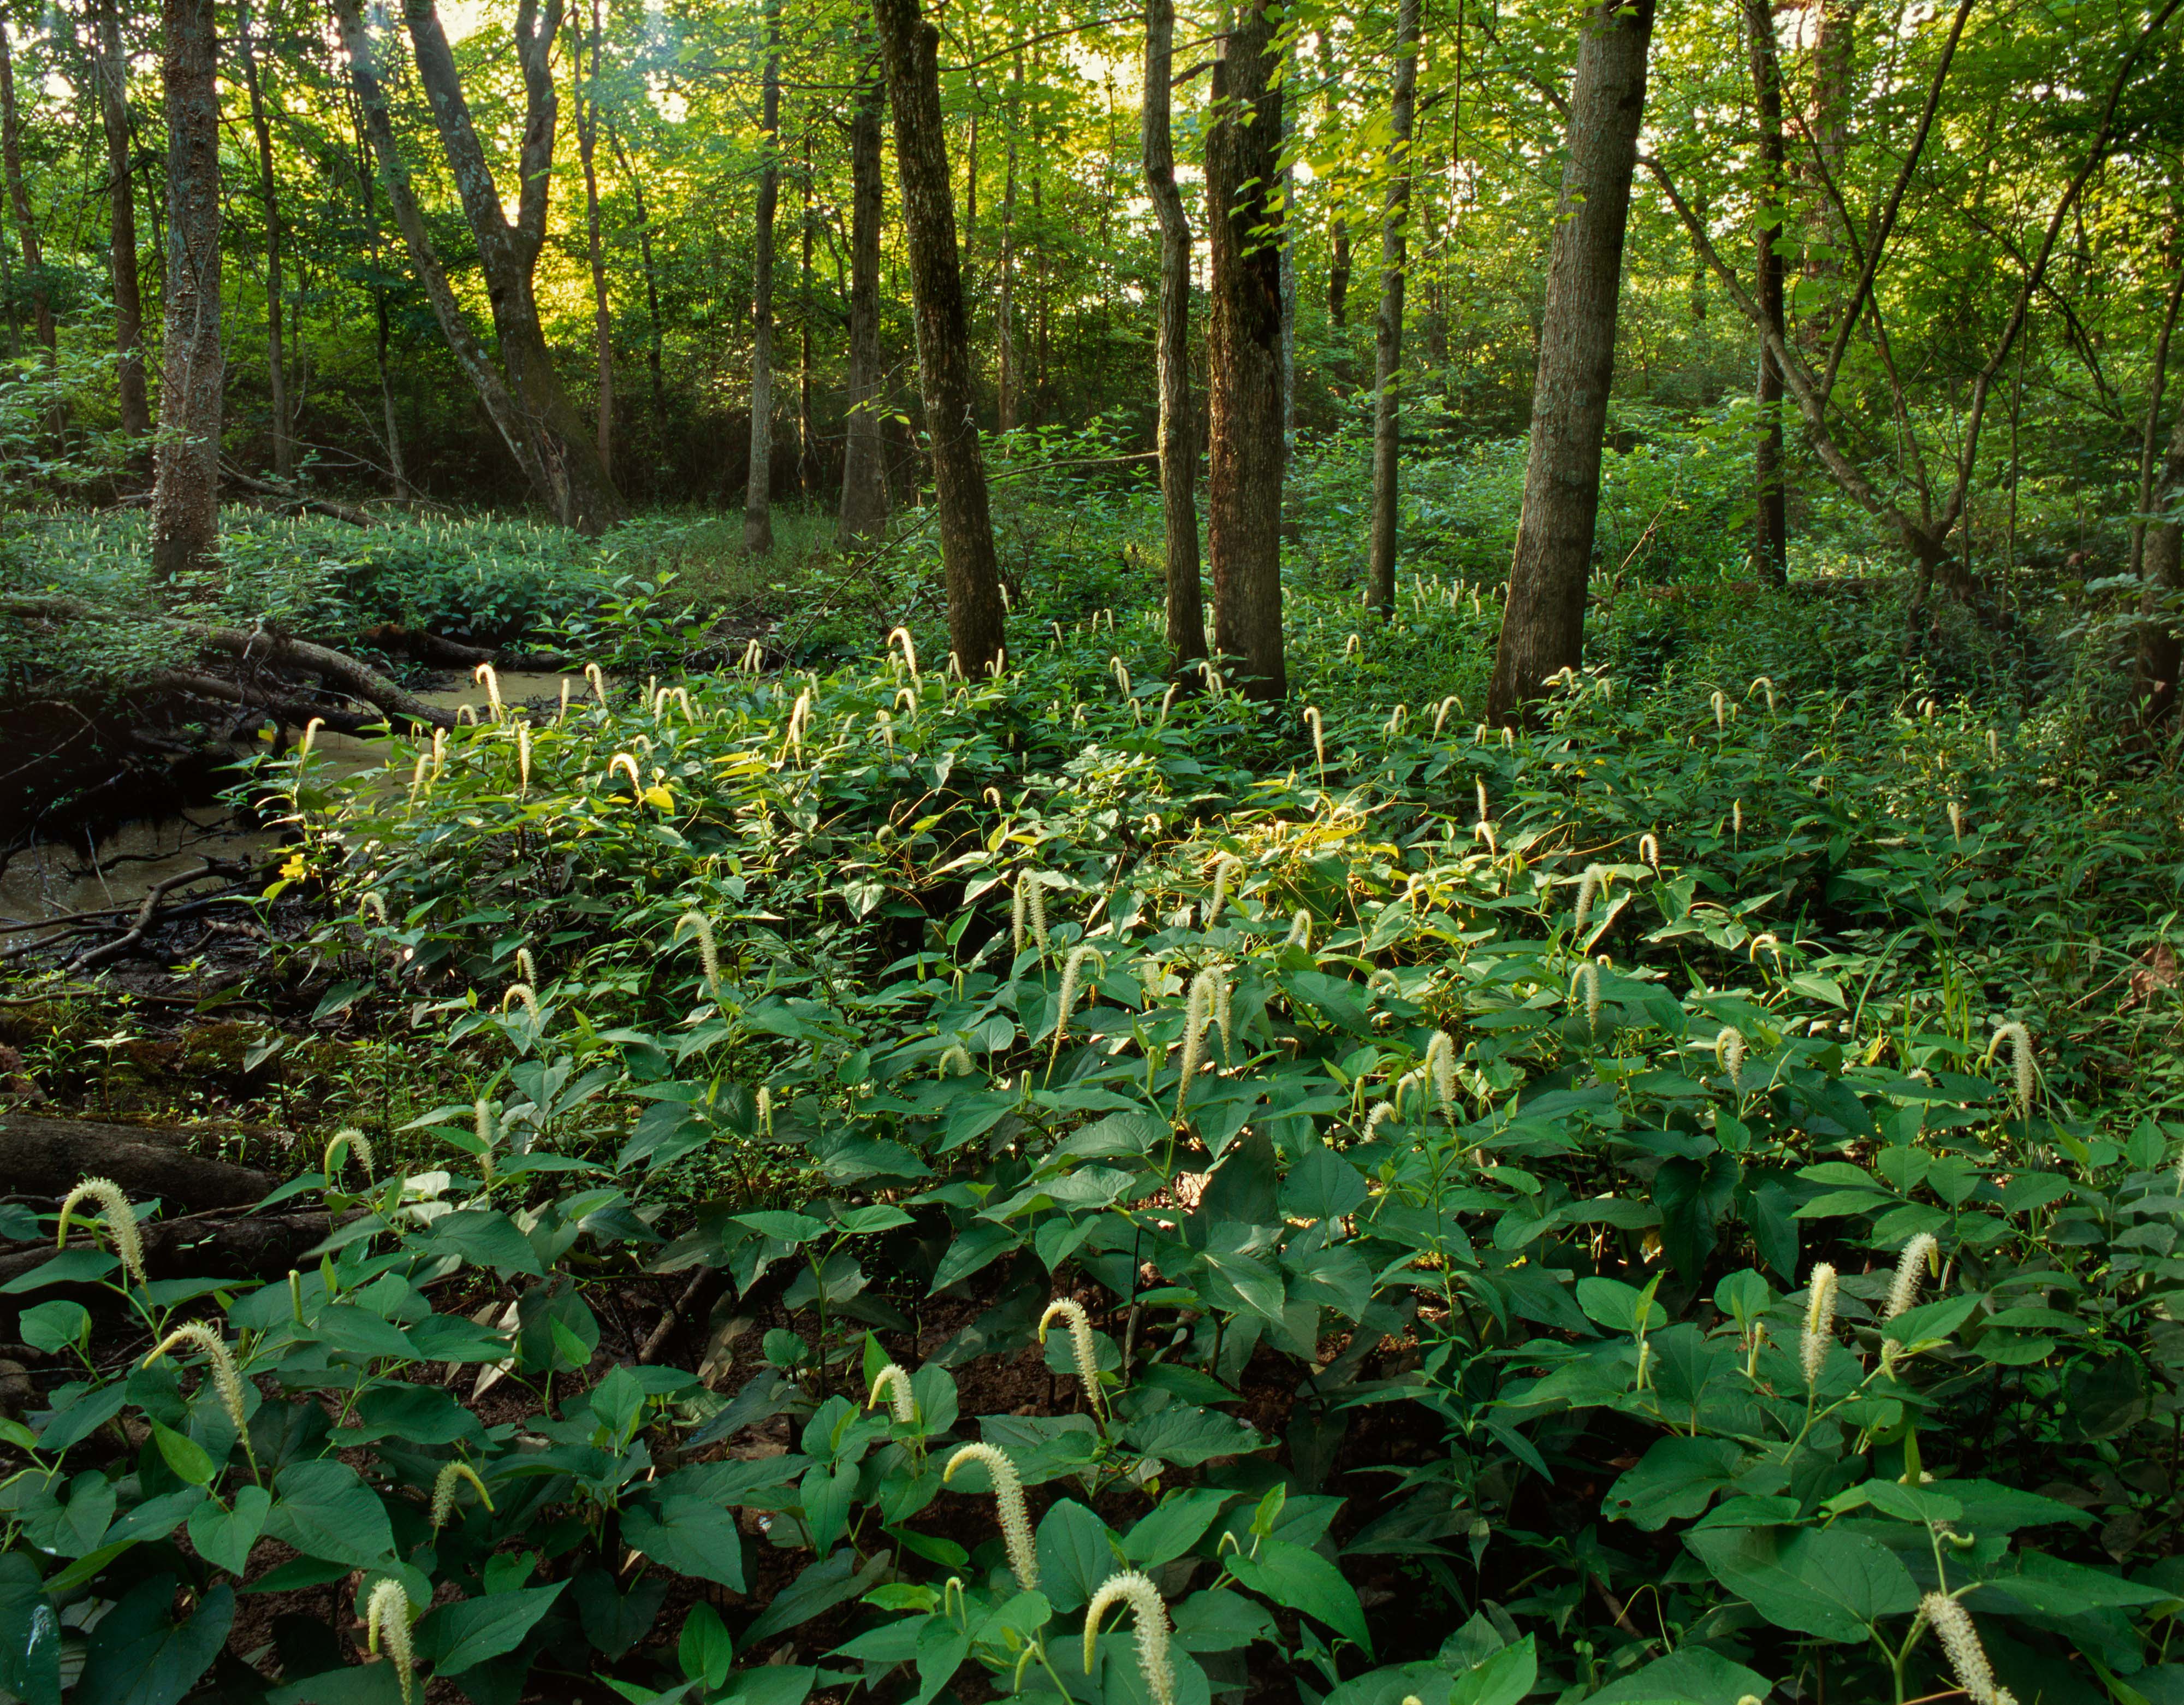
(909, 693)
(1819, 1333)
(386, 1627)
(488, 1131)
(484, 672)
(1587, 976)
(1956, 821)
(1762, 683)
(1084, 1348)
(527, 967)
(764, 1104)
(901, 635)
(599, 682)
(1922, 1254)
(697, 924)
(1396, 718)
(1224, 866)
(1197, 1012)
(117, 1218)
(439, 751)
(561, 716)
(1072, 973)
(373, 901)
(219, 1364)
(1382, 1112)
(1649, 852)
(466, 716)
(417, 773)
(1729, 1052)
(1299, 933)
(1352, 647)
(1721, 712)
(1439, 1068)
(310, 737)
(1588, 888)
(1030, 911)
(524, 993)
(1143, 1599)
(522, 758)
(348, 1144)
(1441, 711)
(892, 1382)
(2019, 1040)
(624, 762)
(1736, 818)
(1009, 1503)
(1953, 1626)
(1312, 721)
(444, 1485)
(955, 1062)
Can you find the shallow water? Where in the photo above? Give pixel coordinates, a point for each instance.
(59, 878)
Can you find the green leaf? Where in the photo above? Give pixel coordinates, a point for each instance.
(139, 1655)
(1077, 1551)
(1178, 1524)
(690, 1536)
(1692, 1196)
(458, 1637)
(978, 1244)
(1303, 1580)
(30, 1634)
(483, 1238)
(62, 1267)
(1185, 1437)
(770, 1684)
(704, 1649)
(1829, 1584)
(1989, 1508)
(1504, 1679)
(1610, 1303)
(183, 1454)
(224, 1538)
(1677, 1478)
(1692, 1676)
(791, 1228)
(325, 1511)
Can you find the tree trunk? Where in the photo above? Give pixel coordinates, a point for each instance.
(1338, 227)
(807, 455)
(1770, 538)
(1543, 620)
(397, 476)
(587, 139)
(1834, 64)
(276, 376)
(652, 339)
(976, 615)
(864, 500)
(121, 243)
(1387, 333)
(1244, 387)
(2160, 545)
(186, 460)
(1178, 434)
(758, 484)
(26, 231)
(525, 398)
(49, 1156)
(1005, 401)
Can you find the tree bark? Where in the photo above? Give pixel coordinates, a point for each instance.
(524, 398)
(758, 484)
(1243, 345)
(50, 1156)
(976, 615)
(26, 231)
(1834, 64)
(652, 340)
(864, 499)
(2160, 545)
(1388, 331)
(1543, 620)
(807, 455)
(186, 460)
(276, 376)
(1338, 227)
(587, 139)
(1179, 433)
(1005, 400)
(1770, 538)
(121, 241)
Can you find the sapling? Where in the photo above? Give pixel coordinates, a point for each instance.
(1137, 1590)
(1009, 1504)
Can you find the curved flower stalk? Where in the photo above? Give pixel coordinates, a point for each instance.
(599, 682)
(1441, 711)
(1396, 718)
(1953, 1627)
(1920, 1256)
(1819, 1334)
(955, 1061)
(624, 761)
(1312, 721)
(1721, 710)
(1084, 1348)
(1009, 1504)
(561, 716)
(1030, 910)
(1352, 646)
(1758, 683)
(439, 751)
(893, 1381)
(763, 1104)
(310, 737)
(487, 1130)
(2020, 1059)
(1143, 1599)
(522, 760)
(908, 648)
(484, 672)
(1072, 971)
(909, 694)
(524, 993)
(1121, 671)
(373, 901)
(1729, 1052)
(219, 1364)
(348, 1142)
(1649, 852)
(1439, 1069)
(1227, 864)
(443, 1491)
(114, 1215)
(1201, 1006)
(1768, 942)
(1956, 821)
(1736, 817)
(386, 1626)
(1587, 976)
(1589, 887)
(800, 719)
(1299, 933)
(1993, 747)
(417, 771)
(886, 724)
(709, 954)
(1166, 704)
(466, 716)
(1382, 1112)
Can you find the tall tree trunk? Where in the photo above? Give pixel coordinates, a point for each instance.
(1388, 331)
(276, 371)
(186, 460)
(587, 139)
(1005, 401)
(863, 498)
(397, 476)
(1338, 227)
(1179, 433)
(121, 240)
(1285, 197)
(26, 229)
(1834, 64)
(525, 400)
(1543, 620)
(1244, 343)
(758, 487)
(1770, 537)
(652, 338)
(807, 455)
(2159, 546)
(976, 615)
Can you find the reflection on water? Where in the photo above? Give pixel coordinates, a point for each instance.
(56, 878)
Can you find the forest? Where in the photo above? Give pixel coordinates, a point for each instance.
(1200, 855)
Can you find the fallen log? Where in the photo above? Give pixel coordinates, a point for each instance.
(297, 712)
(44, 1156)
